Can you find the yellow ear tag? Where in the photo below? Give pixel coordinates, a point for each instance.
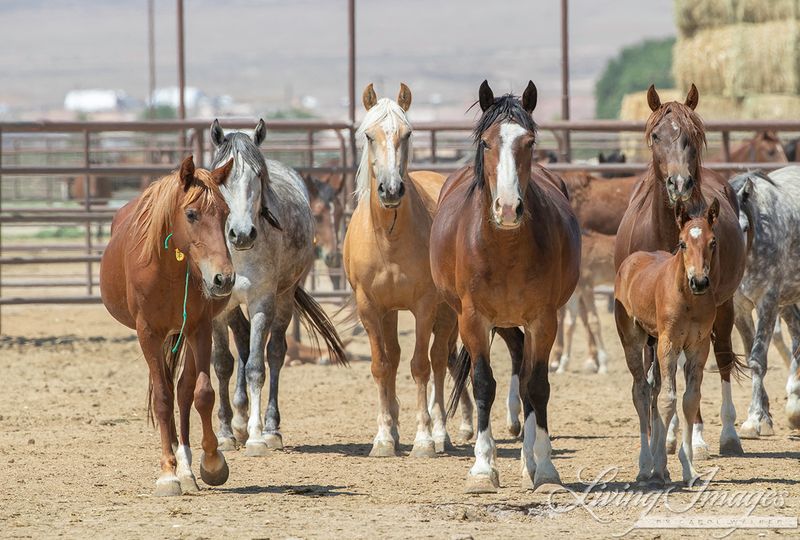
(179, 256)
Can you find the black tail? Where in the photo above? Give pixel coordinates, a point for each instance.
(172, 364)
(460, 381)
(317, 322)
(737, 367)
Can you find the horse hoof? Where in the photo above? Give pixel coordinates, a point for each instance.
(465, 435)
(672, 446)
(658, 481)
(561, 370)
(188, 484)
(442, 445)
(700, 453)
(515, 428)
(226, 444)
(767, 429)
(239, 428)
(545, 474)
(730, 447)
(554, 366)
(590, 366)
(748, 430)
(214, 478)
(168, 486)
(274, 441)
(383, 449)
(793, 411)
(423, 449)
(602, 370)
(642, 478)
(256, 449)
(482, 483)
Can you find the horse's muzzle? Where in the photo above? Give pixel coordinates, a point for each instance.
(699, 285)
(222, 285)
(242, 241)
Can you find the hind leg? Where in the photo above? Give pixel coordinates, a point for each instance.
(569, 322)
(558, 346)
(729, 443)
(466, 430)
(693, 372)
(276, 355)
(183, 454)
(759, 420)
(424, 318)
(791, 315)
(536, 438)
(593, 328)
(633, 341)
(444, 330)
(515, 341)
(223, 367)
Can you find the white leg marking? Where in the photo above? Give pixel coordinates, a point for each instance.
(184, 458)
(545, 470)
(528, 443)
(514, 404)
(727, 415)
(485, 453)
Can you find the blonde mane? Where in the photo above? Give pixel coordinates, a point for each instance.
(384, 110)
(157, 204)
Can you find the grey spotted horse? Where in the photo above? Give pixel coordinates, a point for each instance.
(270, 234)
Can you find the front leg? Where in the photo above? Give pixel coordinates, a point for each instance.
(693, 371)
(474, 330)
(791, 315)
(276, 355)
(759, 421)
(667, 359)
(729, 443)
(223, 366)
(260, 321)
(515, 341)
(445, 334)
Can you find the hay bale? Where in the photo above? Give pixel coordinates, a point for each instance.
(771, 106)
(713, 107)
(741, 59)
(691, 16)
(706, 60)
(758, 11)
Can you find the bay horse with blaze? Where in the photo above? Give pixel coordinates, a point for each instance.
(676, 137)
(166, 273)
(505, 252)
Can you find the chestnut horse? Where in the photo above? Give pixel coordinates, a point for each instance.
(676, 137)
(670, 298)
(166, 273)
(505, 252)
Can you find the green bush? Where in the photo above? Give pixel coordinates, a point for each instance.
(633, 70)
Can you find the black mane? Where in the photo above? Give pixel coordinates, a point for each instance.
(507, 107)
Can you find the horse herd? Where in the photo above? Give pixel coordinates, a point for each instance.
(495, 248)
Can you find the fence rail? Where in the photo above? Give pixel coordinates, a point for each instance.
(49, 152)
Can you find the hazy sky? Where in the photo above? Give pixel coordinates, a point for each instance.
(261, 51)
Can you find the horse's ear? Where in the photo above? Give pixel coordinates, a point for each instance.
(622, 158)
(260, 133)
(601, 158)
(713, 212)
(311, 186)
(217, 135)
(652, 98)
(681, 215)
(369, 98)
(529, 97)
(747, 189)
(404, 97)
(186, 174)
(692, 98)
(220, 175)
(485, 95)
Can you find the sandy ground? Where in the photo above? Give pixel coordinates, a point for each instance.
(79, 460)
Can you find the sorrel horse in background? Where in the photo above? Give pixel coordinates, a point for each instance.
(764, 147)
(166, 273)
(505, 252)
(670, 298)
(770, 214)
(270, 231)
(676, 137)
(328, 211)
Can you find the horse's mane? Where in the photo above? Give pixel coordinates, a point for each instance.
(507, 107)
(153, 213)
(384, 110)
(241, 143)
(688, 122)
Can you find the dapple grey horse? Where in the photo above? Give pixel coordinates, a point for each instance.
(270, 233)
(770, 212)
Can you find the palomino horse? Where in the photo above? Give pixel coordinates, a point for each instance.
(270, 231)
(505, 252)
(676, 137)
(166, 272)
(672, 299)
(770, 213)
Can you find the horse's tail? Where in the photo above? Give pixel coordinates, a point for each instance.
(751, 230)
(460, 380)
(737, 366)
(317, 322)
(172, 363)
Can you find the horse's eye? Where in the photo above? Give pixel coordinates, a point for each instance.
(682, 245)
(714, 244)
(654, 137)
(191, 215)
(485, 145)
(369, 137)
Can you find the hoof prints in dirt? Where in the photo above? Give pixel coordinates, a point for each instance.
(488, 512)
(8, 342)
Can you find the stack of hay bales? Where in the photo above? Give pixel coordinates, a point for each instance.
(743, 55)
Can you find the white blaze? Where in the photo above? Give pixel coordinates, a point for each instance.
(508, 190)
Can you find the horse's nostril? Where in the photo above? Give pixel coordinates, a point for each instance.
(218, 280)
(253, 233)
(381, 188)
(689, 183)
(402, 189)
(519, 209)
(231, 234)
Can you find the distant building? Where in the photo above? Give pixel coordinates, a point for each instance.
(168, 97)
(97, 100)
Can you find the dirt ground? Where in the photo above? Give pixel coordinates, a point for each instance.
(78, 458)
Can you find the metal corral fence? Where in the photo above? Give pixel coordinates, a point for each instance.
(53, 220)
